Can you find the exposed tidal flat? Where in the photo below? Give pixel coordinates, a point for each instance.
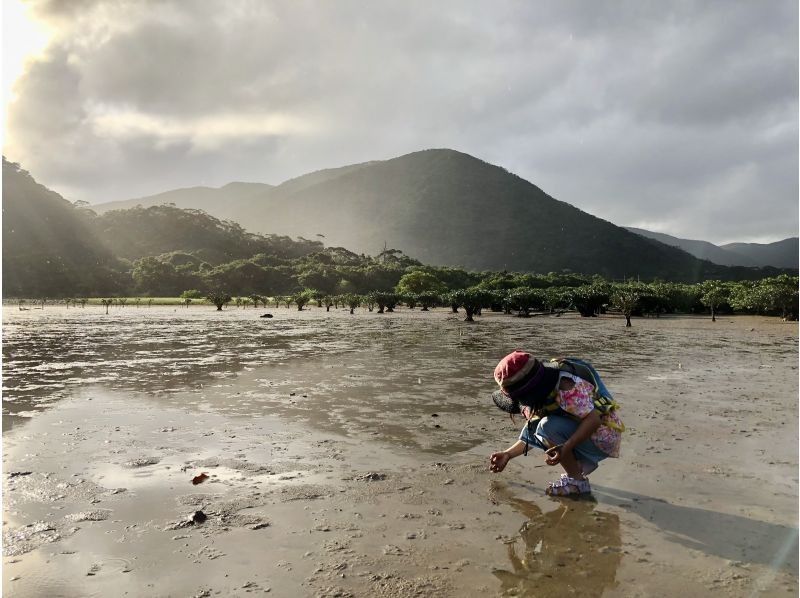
(347, 455)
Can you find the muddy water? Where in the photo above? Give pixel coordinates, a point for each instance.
(346, 456)
(350, 368)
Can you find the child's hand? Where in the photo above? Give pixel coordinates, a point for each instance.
(498, 461)
(553, 455)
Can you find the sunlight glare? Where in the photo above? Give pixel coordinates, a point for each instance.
(23, 39)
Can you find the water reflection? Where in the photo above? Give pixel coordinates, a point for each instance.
(400, 367)
(574, 550)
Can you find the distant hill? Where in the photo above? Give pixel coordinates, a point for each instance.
(700, 249)
(49, 245)
(222, 202)
(445, 208)
(781, 254)
(139, 232)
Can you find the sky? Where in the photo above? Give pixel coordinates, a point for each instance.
(679, 117)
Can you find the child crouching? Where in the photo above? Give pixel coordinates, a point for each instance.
(570, 415)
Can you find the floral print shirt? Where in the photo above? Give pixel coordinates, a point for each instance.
(578, 402)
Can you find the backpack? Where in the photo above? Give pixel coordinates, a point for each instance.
(603, 399)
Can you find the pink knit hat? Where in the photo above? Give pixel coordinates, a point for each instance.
(522, 379)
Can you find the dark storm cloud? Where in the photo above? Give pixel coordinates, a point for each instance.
(681, 116)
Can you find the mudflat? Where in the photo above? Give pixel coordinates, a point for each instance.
(348, 456)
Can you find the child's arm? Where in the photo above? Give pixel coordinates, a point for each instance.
(498, 461)
(584, 431)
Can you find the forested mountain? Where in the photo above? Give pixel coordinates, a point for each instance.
(53, 248)
(49, 245)
(140, 232)
(448, 208)
(781, 254)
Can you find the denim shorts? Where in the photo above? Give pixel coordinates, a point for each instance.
(553, 430)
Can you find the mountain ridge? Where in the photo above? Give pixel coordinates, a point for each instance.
(779, 254)
(447, 208)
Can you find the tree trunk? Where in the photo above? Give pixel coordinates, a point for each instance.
(713, 315)
(469, 314)
(351, 309)
(627, 320)
(219, 308)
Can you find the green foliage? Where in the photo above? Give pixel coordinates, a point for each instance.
(524, 299)
(386, 301)
(397, 258)
(429, 299)
(352, 301)
(626, 297)
(151, 276)
(324, 279)
(714, 293)
(219, 298)
(777, 295)
(473, 300)
(499, 281)
(782, 294)
(303, 298)
(588, 299)
(554, 298)
(410, 299)
(454, 278)
(192, 294)
(419, 281)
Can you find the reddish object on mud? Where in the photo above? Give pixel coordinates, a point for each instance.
(199, 479)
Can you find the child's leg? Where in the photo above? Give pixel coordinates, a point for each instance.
(554, 430)
(571, 465)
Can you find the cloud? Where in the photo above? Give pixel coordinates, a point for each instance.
(680, 114)
(206, 133)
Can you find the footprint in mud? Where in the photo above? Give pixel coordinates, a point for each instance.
(110, 565)
(141, 462)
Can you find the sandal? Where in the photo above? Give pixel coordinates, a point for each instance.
(567, 486)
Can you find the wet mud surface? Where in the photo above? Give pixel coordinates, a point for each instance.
(347, 456)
